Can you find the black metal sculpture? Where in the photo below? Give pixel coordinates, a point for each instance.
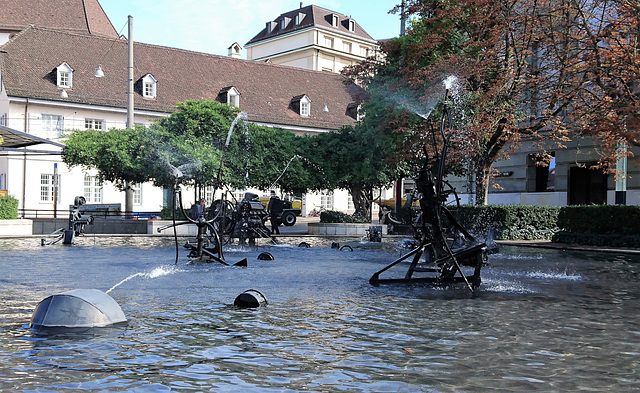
(208, 241)
(78, 219)
(444, 245)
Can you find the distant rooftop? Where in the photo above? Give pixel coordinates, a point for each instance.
(311, 16)
(77, 16)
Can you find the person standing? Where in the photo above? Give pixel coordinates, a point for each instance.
(275, 208)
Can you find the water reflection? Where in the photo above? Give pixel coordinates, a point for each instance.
(543, 320)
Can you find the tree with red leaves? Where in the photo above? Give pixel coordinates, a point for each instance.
(544, 71)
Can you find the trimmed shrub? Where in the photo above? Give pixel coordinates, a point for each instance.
(8, 208)
(600, 225)
(165, 214)
(509, 222)
(600, 219)
(587, 239)
(331, 216)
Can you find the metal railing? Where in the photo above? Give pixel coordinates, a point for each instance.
(64, 213)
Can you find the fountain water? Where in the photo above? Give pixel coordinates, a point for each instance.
(157, 272)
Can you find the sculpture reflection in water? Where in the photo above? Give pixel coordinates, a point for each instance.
(444, 246)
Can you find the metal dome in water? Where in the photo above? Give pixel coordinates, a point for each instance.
(80, 308)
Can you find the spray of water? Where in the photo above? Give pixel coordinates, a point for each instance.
(155, 273)
(285, 169)
(241, 116)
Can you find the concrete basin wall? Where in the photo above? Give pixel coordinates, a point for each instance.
(341, 229)
(20, 227)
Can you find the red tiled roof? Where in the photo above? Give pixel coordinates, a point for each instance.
(265, 89)
(314, 16)
(79, 16)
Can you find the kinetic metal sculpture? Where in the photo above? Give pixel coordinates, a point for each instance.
(444, 245)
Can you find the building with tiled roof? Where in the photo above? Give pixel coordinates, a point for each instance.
(48, 86)
(77, 16)
(266, 91)
(313, 38)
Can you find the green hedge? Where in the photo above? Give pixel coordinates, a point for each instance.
(600, 219)
(8, 208)
(331, 216)
(509, 222)
(165, 214)
(600, 225)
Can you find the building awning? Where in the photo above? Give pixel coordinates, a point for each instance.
(13, 139)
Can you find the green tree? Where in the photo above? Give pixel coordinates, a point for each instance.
(363, 157)
(543, 71)
(189, 147)
(120, 156)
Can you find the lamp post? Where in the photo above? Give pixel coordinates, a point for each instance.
(128, 192)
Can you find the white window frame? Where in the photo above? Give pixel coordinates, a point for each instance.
(94, 124)
(326, 200)
(347, 46)
(137, 193)
(335, 20)
(52, 125)
(149, 86)
(208, 193)
(352, 25)
(64, 74)
(93, 189)
(46, 188)
(233, 97)
(305, 106)
(329, 42)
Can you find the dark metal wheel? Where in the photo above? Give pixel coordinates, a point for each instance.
(288, 219)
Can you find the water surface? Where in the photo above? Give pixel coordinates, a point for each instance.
(543, 320)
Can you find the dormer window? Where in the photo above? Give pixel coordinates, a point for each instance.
(352, 25)
(64, 76)
(298, 19)
(149, 86)
(271, 26)
(233, 97)
(355, 111)
(284, 23)
(335, 20)
(302, 105)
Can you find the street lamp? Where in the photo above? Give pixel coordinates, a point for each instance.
(128, 193)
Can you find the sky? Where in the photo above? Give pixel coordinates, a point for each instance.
(212, 26)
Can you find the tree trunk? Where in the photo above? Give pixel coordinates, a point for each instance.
(482, 185)
(361, 201)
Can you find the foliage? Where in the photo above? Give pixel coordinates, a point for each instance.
(166, 214)
(339, 217)
(189, 148)
(120, 155)
(8, 208)
(599, 225)
(509, 222)
(600, 219)
(587, 239)
(540, 70)
(355, 159)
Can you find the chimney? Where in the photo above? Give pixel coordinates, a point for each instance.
(235, 51)
(300, 4)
